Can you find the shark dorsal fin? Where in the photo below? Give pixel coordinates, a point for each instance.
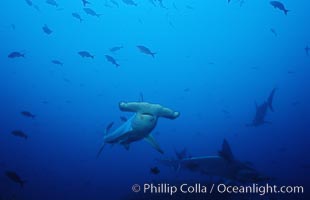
(141, 98)
(181, 154)
(226, 152)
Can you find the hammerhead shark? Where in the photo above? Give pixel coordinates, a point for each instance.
(223, 165)
(139, 126)
(261, 110)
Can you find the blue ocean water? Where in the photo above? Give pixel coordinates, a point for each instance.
(215, 62)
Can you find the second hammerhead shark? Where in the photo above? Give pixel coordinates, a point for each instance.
(223, 165)
(261, 110)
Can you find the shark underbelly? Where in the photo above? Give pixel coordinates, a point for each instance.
(120, 133)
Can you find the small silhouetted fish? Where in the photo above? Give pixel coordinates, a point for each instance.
(307, 49)
(29, 2)
(274, 32)
(187, 90)
(85, 2)
(175, 6)
(109, 126)
(154, 170)
(91, 12)
(52, 2)
(107, 4)
(114, 3)
(15, 178)
(46, 29)
(13, 26)
(112, 60)
(189, 7)
(279, 5)
(225, 111)
(145, 50)
(116, 48)
(130, 2)
(153, 2)
(36, 7)
(57, 62)
(290, 72)
(16, 54)
(77, 16)
(123, 119)
(85, 54)
(27, 114)
(161, 3)
(67, 80)
(19, 133)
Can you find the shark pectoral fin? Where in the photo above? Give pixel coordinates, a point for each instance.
(126, 146)
(154, 144)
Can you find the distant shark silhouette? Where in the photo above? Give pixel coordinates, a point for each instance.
(261, 111)
(223, 165)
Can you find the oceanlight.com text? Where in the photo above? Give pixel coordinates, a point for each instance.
(165, 188)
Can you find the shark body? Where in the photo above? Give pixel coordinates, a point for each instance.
(261, 110)
(223, 165)
(125, 135)
(139, 126)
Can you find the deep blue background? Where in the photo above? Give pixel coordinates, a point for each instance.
(213, 61)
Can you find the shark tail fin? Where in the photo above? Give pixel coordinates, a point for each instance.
(226, 152)
(286, 11)
(270, 99)
(103, 144)
(100, 150)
